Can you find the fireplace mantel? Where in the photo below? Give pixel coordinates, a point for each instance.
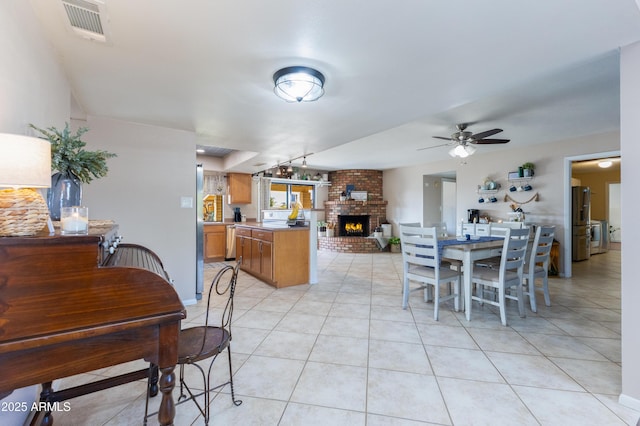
(356, 203)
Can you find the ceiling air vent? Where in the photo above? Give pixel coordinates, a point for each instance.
(85, 18)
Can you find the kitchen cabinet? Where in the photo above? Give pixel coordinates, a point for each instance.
(243, 247)
(262, 254)
(214, 242)
(238, 188)
(279, 257)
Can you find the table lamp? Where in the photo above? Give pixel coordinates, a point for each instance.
(25, 164)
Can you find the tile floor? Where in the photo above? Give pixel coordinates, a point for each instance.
(343, 352)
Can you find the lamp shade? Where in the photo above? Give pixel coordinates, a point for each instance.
(25, 162)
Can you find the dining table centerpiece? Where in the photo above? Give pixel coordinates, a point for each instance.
(73, 166)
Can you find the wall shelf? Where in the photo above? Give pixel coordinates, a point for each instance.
(521, 179)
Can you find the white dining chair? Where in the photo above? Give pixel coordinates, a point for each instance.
(455, 264)
(499, 230)
(507, 276)
(537, 265)
(421, 263)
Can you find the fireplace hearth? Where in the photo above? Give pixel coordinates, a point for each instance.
(353, 225)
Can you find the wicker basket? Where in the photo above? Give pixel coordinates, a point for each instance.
(23, 212)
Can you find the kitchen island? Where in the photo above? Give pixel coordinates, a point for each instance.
(277, 256)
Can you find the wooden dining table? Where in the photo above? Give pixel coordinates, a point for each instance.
(470, 251)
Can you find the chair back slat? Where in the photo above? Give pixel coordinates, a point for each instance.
(419, 246)
(542, 243)
(514, 251)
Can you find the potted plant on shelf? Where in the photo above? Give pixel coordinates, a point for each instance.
(394, 244)
(527, 169)
(73, 165)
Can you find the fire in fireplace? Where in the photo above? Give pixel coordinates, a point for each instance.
(353, 225)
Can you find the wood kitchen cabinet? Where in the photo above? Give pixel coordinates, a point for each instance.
(214, 242)
(238, 188)
(279, 257)
(262, 254)
(243, 247)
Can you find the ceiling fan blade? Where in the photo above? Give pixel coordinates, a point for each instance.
(442, 137)
(485, 134)
(489, 141)
(435, 146)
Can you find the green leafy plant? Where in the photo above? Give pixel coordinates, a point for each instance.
(394, 240)
(529, 166)
(69, 156)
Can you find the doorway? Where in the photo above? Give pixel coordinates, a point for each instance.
(615, 220)
(439, 200)
(599, 181)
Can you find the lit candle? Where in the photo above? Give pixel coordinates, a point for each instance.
(74, 220)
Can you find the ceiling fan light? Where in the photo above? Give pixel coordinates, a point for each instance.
(297, 84)
(460, 151)
(470, 149)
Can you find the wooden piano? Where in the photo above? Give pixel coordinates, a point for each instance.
(73, 304)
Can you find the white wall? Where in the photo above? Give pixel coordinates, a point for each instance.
(403, 187)
(34, 90)
(154, 169)
(630, 203)
(33, 86)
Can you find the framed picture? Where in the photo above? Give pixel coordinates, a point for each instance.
(349, 189)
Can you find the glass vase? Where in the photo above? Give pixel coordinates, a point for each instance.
(65, 191)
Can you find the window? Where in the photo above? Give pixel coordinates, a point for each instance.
(285, 195)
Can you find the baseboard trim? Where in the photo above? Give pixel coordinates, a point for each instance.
(188, 302)
(630, 402)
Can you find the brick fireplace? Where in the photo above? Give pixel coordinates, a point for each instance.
(369, 213)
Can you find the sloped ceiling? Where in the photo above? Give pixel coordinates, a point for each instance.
(397, 73)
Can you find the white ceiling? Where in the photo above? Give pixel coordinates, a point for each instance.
(397, 72)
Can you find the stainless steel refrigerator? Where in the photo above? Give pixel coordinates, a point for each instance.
(581, 217)
(199, 231)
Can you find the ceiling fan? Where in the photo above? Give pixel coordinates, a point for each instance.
(463, 138)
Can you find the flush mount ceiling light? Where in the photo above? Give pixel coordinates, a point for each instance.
(462, 151)
(604, 164)
(297, 84)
